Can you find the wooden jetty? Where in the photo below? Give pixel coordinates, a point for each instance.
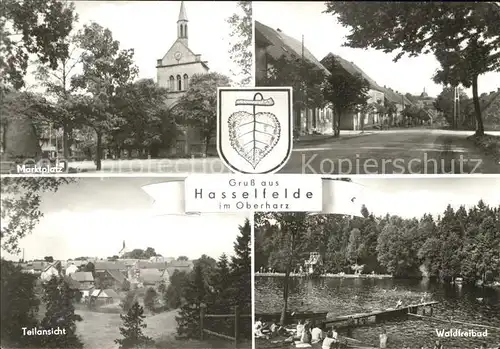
(381, 315)
(293, 316)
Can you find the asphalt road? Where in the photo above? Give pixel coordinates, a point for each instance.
(414, 151)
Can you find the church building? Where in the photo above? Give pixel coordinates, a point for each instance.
(174, 72)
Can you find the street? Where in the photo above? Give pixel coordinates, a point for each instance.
(407, 151)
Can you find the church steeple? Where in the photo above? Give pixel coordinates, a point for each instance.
(182, 25)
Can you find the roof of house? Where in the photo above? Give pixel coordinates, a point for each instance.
(73, 284)
(280, 44)
(151, 265)
(107, 293)
(353, 69)
(396, 97)
(109, 265)
(151, 276)
(117, 275)
(82, 276)
(39, 266)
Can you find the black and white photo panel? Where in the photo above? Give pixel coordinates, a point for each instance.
(102, 263)
(417, 267)
(116, 86)
(381, 88)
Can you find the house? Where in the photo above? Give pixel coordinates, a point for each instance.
(490, 110)
(142, 264)
(35, 267)
(105, 296)
(51, 270)
(110, 274)
(274, 44)
(400, 101)
(181, 266)
(357, 120)
(84, 278)
(153, 277)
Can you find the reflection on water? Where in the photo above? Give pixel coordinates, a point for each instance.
(359, 295)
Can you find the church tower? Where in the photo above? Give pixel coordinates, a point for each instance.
(182, 26)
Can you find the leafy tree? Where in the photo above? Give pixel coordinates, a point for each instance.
(132, 329)
(241, 45)
(148, 124)
(32, 27)
(57, 82)
(303, 76)
(58, 298)
(150, 299)
(106, 68)
(288, 244)
(198, 106)
(182, 258)
(345, 92)
(444, 104)
(49, 259)
(20, 200)
(464, 37)
(19, 304)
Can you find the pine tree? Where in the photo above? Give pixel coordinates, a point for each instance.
(241, 268)
(133, 338)
(150, 299)
(58, 298)
(225, 293)
(196, 292)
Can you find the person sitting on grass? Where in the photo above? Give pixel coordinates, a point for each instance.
(317, 334)
(306, 335)
(300, 329)
(329, 341)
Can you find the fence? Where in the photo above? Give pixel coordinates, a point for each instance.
(236, 315)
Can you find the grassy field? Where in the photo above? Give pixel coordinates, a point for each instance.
(99, 330)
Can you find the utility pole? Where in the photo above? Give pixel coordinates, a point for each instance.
(458, 106)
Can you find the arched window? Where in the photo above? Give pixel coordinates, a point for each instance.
(182, 30)
(179, 83)
(185, 31)
(186, 82)
(171, 85)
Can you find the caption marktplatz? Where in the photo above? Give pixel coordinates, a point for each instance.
(256, 195)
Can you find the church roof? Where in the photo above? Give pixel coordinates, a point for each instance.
(182, 13)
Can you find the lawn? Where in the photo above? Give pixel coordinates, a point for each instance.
(99, 330)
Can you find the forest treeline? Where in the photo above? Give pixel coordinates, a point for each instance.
(459, 243)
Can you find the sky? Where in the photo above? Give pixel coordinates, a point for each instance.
(150, 28)
(412, 197)
(322, 35)
(93, 216)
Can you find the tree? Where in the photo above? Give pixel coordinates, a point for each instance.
(241, 268)
(21, 198)
(148, 124)
(173, 297)
(198, 106)
(288, 244)
(464, 37)
(150, 299)
(132, 329)
(58, 298)
(49, 259)
(106, 69)
(36, 27)
(182, 258)
(129, 300)
(241, 45)
(57, 82)
(345, 92)
(444, 103)
(19, 304)
(304, 77)
(195, 292)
